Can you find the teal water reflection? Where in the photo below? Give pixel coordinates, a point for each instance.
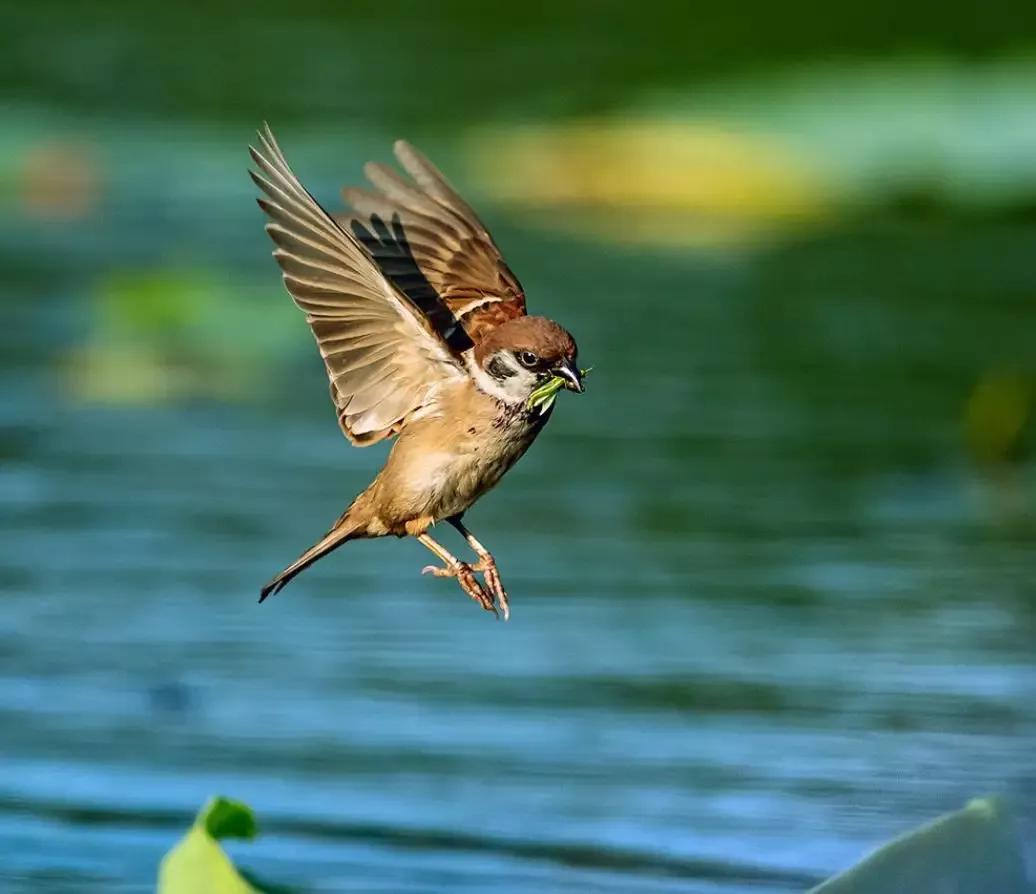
(771, 605)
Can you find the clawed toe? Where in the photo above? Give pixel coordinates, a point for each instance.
(465, 573)
(469, 583)
(475, 590)
(487, 566)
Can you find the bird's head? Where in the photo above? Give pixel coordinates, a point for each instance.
(521, 355)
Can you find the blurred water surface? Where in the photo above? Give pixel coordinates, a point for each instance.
(771, 603)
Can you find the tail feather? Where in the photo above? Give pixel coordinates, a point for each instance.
(339, 534)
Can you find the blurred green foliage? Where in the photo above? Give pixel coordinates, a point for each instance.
(412, 63)
(175, 332)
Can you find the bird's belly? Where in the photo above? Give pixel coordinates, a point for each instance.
(454, 479)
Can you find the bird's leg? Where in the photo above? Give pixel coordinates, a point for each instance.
(454, 567)
(487, 565)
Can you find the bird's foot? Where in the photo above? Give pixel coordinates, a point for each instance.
(487, 566)
(465, 575)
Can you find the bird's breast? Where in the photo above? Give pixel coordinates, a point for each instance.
(462, 462)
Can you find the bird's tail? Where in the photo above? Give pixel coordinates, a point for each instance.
(342, 531)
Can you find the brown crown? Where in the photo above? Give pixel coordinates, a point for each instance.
(537, 334)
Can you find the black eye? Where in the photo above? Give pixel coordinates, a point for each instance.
(527, 358)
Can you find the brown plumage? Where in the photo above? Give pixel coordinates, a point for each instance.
(450, 244)
(423, 331)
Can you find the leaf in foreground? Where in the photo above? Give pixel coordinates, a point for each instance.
(198, 865)
(972, 851)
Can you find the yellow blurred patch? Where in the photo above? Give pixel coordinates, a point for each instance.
(649, 181)
(995, 417)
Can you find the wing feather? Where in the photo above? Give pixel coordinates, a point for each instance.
(384, 359)
(451, 247)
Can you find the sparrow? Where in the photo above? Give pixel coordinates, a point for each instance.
(425, 337)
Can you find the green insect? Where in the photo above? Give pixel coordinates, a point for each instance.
(543, 397)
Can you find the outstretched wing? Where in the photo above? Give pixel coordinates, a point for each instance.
(384, 358)
(451, 245)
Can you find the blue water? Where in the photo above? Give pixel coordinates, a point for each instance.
(769, 607)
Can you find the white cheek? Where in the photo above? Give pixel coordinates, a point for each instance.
(520, 384)
(514, 389)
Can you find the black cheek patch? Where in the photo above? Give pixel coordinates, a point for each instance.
(499, 370)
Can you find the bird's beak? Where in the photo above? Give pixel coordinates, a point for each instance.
(568, 371)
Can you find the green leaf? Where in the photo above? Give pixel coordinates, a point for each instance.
(225, 818)
(973, 851)
(198, 865)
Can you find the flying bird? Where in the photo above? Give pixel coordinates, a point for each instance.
(424, 333)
